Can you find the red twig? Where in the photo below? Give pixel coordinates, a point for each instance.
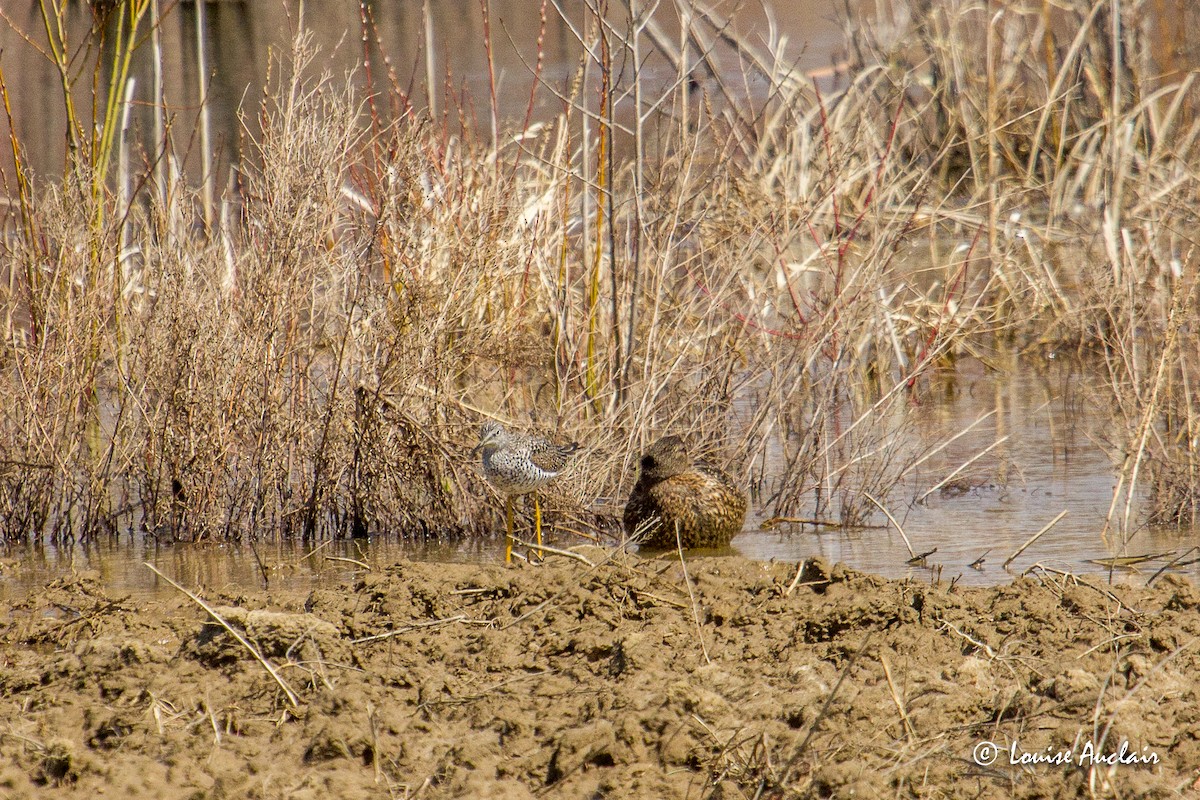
(952, 289)
(738, 315)
(878, 177)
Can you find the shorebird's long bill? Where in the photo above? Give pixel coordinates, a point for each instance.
(485, 440)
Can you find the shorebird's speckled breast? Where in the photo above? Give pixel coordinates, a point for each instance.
(518, 464)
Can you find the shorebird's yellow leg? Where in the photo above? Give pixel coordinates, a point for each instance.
(537, 524)
(508, 536)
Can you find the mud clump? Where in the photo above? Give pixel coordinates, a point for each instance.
(626, 680)
(276, 635)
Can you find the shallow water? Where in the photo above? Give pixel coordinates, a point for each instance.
(1049, 463)
(244, 44)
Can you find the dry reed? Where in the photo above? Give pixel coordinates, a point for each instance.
(775, 273)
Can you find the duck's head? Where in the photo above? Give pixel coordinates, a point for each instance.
(666, 458)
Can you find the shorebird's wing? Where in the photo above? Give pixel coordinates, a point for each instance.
(551, 457)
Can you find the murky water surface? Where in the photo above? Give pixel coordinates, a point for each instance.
(246, 43)
(1034, 454)
(1048, 460)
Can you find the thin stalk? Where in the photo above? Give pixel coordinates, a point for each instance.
(206, 166)
(158, 103)
(56, 38)
(24, 197)
(485, 7)
(610, 222)
(430, 61)
(636, 26)
(592, 380)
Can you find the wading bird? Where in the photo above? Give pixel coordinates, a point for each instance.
(517, 464)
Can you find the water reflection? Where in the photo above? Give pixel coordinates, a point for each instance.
(1030, 454)
(119, 564)
(225, 52)
(1040, 458)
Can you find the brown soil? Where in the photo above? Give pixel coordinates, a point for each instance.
(630, 679)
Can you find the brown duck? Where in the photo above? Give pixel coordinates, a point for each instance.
(672, 493)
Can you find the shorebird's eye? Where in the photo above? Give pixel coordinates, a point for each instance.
(647, 462)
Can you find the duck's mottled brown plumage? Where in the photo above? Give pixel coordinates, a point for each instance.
(673, 492)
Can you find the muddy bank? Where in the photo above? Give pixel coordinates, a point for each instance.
(628, 679)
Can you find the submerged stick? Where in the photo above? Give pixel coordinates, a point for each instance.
(962, 467)
(775, 522)
(1035, 537)
(1172, 563)
(919, 559)
(1129, 562)
(292, 697)
(912, 554)
(354, 561)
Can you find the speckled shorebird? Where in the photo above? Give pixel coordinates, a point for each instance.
(518, 464)
(674, 494)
